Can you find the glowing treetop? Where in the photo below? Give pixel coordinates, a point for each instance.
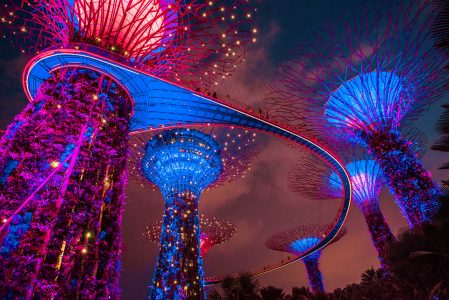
(228, 153)
(206, 39)
(213, 232)
(366, 178)
(297, 241)
(370, 100)
(367, 182)
(314, 180)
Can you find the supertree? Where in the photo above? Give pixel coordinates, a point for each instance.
(361, 83)
(61, 206)
(298, 240)
(312, 179)
(213, 232)
(62, 160)
(182, 163)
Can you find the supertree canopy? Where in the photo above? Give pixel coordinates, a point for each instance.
(200, 41)
(361, 83)
(367, 183)
(297, 241)
(213, 232)
(182, 163)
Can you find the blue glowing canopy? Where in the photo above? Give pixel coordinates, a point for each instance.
(369, 99)
(183, 159)
(366, 180)
(302, 245)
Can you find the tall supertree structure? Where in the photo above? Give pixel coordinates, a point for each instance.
(182, 163)
(61, 207)
(361, 83)
(298, 240)
(62, 160)
(213, 232)
(367, 183)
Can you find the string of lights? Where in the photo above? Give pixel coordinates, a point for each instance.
(213, 232)
(182, 162)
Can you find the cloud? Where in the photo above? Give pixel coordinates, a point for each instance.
(247, 83)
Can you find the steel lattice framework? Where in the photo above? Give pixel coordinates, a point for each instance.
(213, 232)
(297, 241)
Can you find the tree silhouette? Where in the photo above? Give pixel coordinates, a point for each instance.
(420, 259)
(243, 287)
(272, 293)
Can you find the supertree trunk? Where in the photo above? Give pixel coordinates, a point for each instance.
(411, 184)
(179, 273)
(314, 273)
(66, 241)
(380, 232)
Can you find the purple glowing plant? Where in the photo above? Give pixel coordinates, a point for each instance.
(66, 239)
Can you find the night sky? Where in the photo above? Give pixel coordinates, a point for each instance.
(261, 203)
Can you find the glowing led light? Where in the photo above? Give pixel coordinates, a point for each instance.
(54, 164)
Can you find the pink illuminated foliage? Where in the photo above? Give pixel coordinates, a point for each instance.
(71, 245)
(192, 42)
